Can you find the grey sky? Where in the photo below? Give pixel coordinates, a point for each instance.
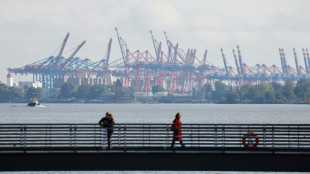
(31, 30)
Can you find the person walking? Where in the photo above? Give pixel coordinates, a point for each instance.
(177, 132)
(107, 123)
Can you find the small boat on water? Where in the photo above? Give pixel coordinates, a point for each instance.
(33, 101)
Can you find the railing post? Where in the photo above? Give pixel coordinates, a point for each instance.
(70, 136)
(216, 135)
(191, 137)
(119, 134)
(49, 135)
(240, 135)
(264, 135)
(167, 136)
(46, 136)
(273, 139)
(75, 136)
(95, 138)
(125, 134)
(143, 136)
(198, 130)
(298, 138)
(289, 136)
(21, 136)
(223, 135)
(149, 130)
(25, 136)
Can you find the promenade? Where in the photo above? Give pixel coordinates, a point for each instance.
(212, 147)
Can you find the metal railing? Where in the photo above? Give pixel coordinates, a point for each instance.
(155, 136)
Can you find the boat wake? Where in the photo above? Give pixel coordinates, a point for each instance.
(37, 106)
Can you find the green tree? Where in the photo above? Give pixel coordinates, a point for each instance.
(4, 93)
(208, 91)
(270, 97)
(96, 91)
(157, 88)
(4, 97)
(232, 97)
(253, 93)
(132, 91)
(244, 91)
(302, 89)
(220, 91)
(15, 94)
(83, 91)
(110, 89)
(67, 90)
(55, 94)
(262, 88)
(220, 86)
(38, 91)
(10, 94)
(276, 86)
(288, 91)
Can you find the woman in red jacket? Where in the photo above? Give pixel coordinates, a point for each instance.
(177, 132)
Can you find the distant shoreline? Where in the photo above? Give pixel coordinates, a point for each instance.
(139, 102)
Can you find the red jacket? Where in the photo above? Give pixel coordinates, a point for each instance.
(177, 133)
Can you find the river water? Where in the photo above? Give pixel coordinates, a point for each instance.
(156, 113)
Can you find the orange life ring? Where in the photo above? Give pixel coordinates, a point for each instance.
(250, 134)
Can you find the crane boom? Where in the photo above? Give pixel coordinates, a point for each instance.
(155, 45)
(159, 55)
(284, 61)
(204, 58)
(240, 60)
(305, 59)
(108, 54)
(296, 62)
(71, 56)
(224, 60)
(122, 45)
(236, 61)
(60, 52)
(308, 58)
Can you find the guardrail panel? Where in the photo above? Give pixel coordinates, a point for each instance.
(258, 136)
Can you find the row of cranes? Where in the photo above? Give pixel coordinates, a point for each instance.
(49, 69)
(264, 73)
(176, 70)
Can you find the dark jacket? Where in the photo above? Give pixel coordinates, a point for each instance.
(109, 124)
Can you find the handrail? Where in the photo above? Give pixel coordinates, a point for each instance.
(156, 135)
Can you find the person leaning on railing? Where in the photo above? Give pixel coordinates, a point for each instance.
(108, 122)
(177, 132)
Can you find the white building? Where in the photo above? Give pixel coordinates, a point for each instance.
(30, 84)
(9, 80)
(109, 78)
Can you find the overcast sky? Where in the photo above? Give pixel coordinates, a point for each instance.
(31, 30)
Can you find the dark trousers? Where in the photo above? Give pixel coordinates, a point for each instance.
(173, 142)
(109, 139)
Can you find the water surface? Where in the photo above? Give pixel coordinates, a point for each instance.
(156, 113)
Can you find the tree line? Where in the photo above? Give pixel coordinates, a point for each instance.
(265, 92)
(15, 94)
(85, 91)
